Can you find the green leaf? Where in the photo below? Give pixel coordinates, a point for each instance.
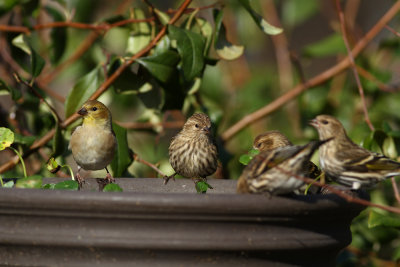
(24, 140)
(163, 17)
(6, 138)
(37, 62)
(140, 35)
(66, 185)
(123, 157)
(261, 23)
(49, 186)
(331, 45)
(389, 148)
(224, 49)
(202, 187)
(246, 158)
(190, 46)
(82, 90)
(376, 219)
(58, 35)
(34, 181)
(296, 12)
(112, 188)
(161, 66)
(19, 41)
(15, 94)
(9, 184)
(53, 166)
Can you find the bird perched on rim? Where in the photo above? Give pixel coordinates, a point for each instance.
(347, 163)
(274, 171)
(93, 144)
(192, 152)
(274, 139)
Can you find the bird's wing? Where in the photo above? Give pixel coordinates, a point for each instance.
(362, 160)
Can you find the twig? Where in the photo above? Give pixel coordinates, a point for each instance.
(316, 80)
(392, 30)
(36, 93)
(154, 167)
(353, 65)
(103, 87)
(395, 189)
(340, 193)
(369, 76)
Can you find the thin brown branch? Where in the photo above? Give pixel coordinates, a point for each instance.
(154, 167)
(353, 65)
(316, 80)
(340, 193)
(38, 95)
(392, 30)
(395, 189)
(369, 76)
(103, 87)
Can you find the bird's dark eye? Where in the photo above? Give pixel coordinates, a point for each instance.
(196, 125)
(259, 145)
(94, 108)
(324, 122)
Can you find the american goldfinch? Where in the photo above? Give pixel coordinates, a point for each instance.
(347, 163)
(192, 152)
(273, 172)
(93, 144)
(274, 139)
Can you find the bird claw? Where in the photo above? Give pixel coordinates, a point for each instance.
(166, 178)
(80, 181)
(103, 182)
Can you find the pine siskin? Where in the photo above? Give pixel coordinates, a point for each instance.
(268, 172)
(347, 163)
(192, 152)
(93, 144)
(274, 139)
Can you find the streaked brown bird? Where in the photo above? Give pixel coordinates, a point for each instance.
(274, 139)
(274, 172)
(93, 144)
(347, 163)
(192, 152)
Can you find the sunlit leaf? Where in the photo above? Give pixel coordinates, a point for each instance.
(224, 49)
(82, 90)
(163, 17)
(377, 219)
(246, 158)
(19, 42)
(190, 46)
(66, 185)
(122, 158)
(6, 138)
(389, 148)
(112, 188)
(161, 66)
(140, 35)
(53, 166)
(34, 181)
(9, 184)
(263, 24)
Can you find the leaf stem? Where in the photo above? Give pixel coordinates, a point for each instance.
(21, 159)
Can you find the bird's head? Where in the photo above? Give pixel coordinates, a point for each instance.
(327, 127)
(198, 123)
(95, 113)
(270, 140)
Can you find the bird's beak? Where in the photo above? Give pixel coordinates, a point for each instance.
(207, 129)
(314, 123)
(83, 112)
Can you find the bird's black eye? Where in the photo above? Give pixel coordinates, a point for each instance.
(324, 122)
(196, 125)
(259, 145)
(94, 108)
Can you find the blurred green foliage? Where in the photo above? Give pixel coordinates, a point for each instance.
(187, 71)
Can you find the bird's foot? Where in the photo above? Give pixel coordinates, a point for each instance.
(166, 178)
(80, 181)
(103, 182)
